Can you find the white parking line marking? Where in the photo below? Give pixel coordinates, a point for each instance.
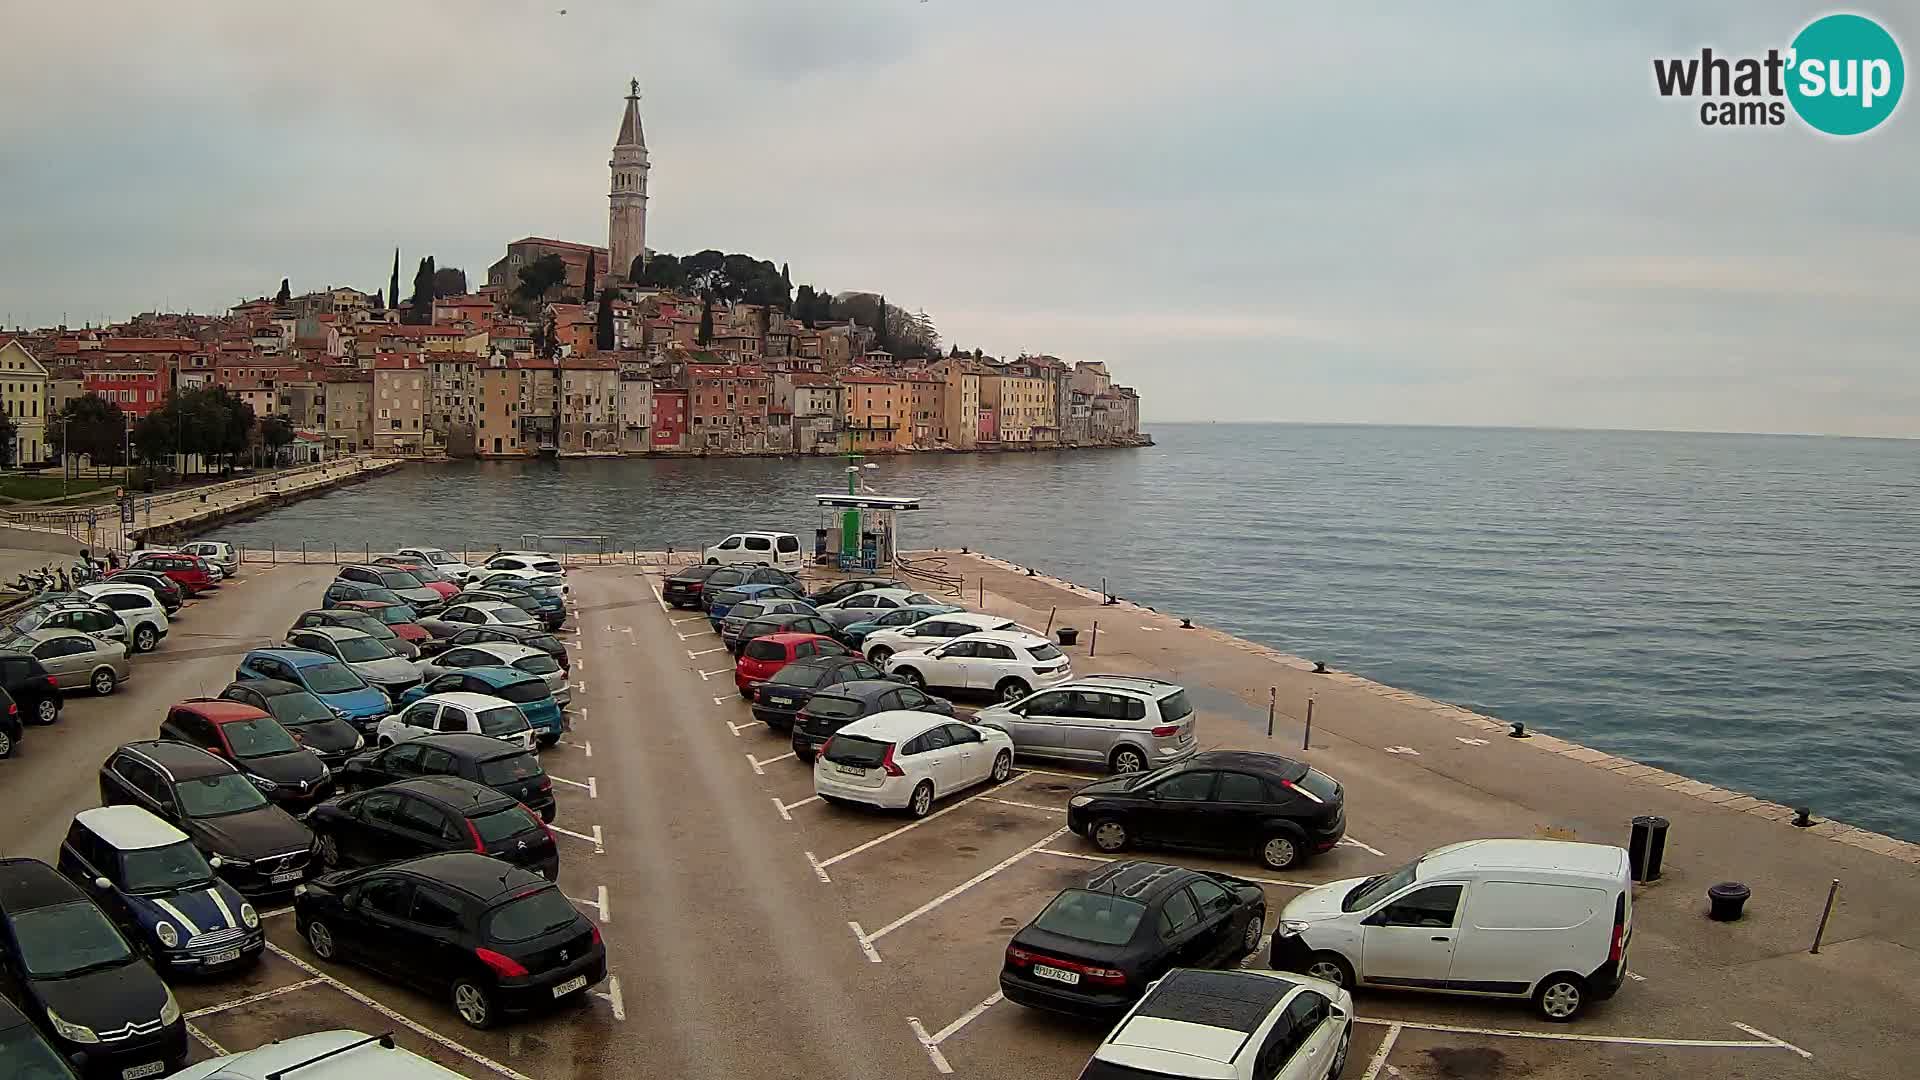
(717, 671)
(661, 600)
(818, 870)
(273, 913)
(599, 845)
(902, 830)
(592, 785)
(688, 619)
(738, 728)
(691, 655)
(932, 1042)
(586, 746)
(759, 771)
(1469, 742)
(1027, 805)
(613, 998)
(1244, 877)
(1065, 775)
(1408, 750)
(1764, 1042)
(580, 664)
(786, 808)
(1782, 1043)
(932, 1048)
(965, 885)
(251, 998)
(866, 943)
(1351, 842)
(690, 637)
(606, 913)
(719, 701)
(1379, 1058)
(205, 1040)
(399, 1018)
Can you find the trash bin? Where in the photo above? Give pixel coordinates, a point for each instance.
(1726, 900)
(1068, 635)
(1647, 847)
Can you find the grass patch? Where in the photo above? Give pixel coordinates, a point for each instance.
(26, 487)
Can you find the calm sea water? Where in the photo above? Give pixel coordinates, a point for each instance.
(1741, 609)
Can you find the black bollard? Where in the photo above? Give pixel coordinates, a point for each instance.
(1647, 847)
(1726, 901)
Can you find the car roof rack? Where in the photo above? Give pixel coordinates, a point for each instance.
(385, 1039)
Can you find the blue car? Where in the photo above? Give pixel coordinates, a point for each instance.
(150, 879)
(529, 692)
(728, 597)
(338, 686)
(855, 633)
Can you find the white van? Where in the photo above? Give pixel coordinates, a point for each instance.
(1545, 919)
(762, 548)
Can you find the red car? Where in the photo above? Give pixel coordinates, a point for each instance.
(765, 656)
(395, 616)
(431, 578)
(186, 571)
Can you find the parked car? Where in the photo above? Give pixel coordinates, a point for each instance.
(186, 571)
(537, 561)
(745, 611)
(1095, 948)
(721, 604)
(533, 637)
(777, 700)
(340, 591)
(492, 938)
(169, 593)
(846, 587)
(25, 1053)
(798, 623)
(82, 614)
(538, 579)
(763, 657)
(864, 605)
(475, 612)
(929, 632)
(503, 654)
(26, 681)
(462, 711)
(726, 577)
(261, 848)
(139, 609)
(529, 693)
(411, 590)
(1274, 808)
(682, 588)
(341, 1054)
(1549, 920)
(543, 603)
(509, 769)
(428, 576)
(334, 683)
(11, 730)
(160, 890)
(264, 752)
(906, 760)
(833, 708)
(1124, 723)
(764, 548)
(855, 633)
(365, 654)
(80, 980)
(427, 815)
(74, 660)
(217, 552)
(354, 619)
(398, 618)
(1258, 1025)
(1009, 664)
(308, 719)
(454, 568)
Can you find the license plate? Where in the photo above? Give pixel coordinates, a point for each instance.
(849, 770)
(285, 876)
(227, 957)
(151, 1068)
(779, 701)
(1071, 978)
(570, 986)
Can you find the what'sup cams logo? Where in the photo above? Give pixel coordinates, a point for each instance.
(1842, 75)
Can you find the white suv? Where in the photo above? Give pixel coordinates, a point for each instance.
(323, 1055)
(1124, 723)
(1231, 1025)
(1008, 663)
(931, 631)
(440, 560)
(137, 607)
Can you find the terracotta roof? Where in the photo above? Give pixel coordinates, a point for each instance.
(589, 363)
(396, 363)
(563, 244)
(149, 345)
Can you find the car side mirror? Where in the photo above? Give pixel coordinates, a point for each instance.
(1224, 903)
(1378, 918)
(102, 883)
(1151, 793)
(216, 862)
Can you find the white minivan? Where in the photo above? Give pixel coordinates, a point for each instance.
(762, 548)
(1543, 919)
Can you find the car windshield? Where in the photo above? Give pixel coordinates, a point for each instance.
(500, 824)
(514, 616)
(438, 557)
(30, 621)
(298, 708)
(1380, 886)
(530, 915)
(834, 708)
(66, 939)
(367, 625)
(358, 650)
(525, 692)
(537, 665)
(165, 869)
(1092, 916)
(502, 720)
(393, 614)
(258, 738)
(213, 796)
(331, 678)
(1044, 651)
(508, 770)
(24, 1055)
(399, 579)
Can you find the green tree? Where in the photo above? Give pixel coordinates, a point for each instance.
(420, 306)
(586, 289)
(9, 434)
(94, 427)
(285, 295)
(603, 323)
(803, 305)
(786, 278)
(275, 434)
(538, 277)
(706, 316)
(449, 281)
(379, 300)
(551, 334)
(393, 286)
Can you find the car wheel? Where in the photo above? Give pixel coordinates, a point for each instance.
(104, 682)
(1256, 927)
(713, 562)
(320, 940)
(1280, 851)
(329, 853)
(806, 756)
(47, 711)
(474, 1003)
(1109, 835)
(1127, 759)
(879, 654)
(1002, 767)
(1012, 690)
(6, 745)
(144, 639)
(1560, 997)
(1340, 1056)
(921, 803)
(1330, 967)
(913, 678)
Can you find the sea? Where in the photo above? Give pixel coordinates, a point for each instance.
(1742, 609)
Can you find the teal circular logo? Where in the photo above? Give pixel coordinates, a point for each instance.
(1846, 74)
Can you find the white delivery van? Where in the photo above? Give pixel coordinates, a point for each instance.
(1548, 920)
(762, 548)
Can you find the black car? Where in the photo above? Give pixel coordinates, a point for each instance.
(1094, 949)
(491, 937)
(262, 849)
(683, 589)
(837, 706)
(356, 619)
(763, 625)
(26, 680)
(308, 719)
(777, 700)
(1276, 809)
(726, 577)
(339, 592)
(531, 637)
(427, 815)
(264, 752)
(80, 980)
(25, 1054)
(505, 768)
(840, 590)
(165, 589)
(10, 727)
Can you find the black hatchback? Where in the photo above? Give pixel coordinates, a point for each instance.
(81, 981)
(428, 815)
(1094, 949)
(308, 719)
(483, 759)
(1274, 808)
(683, 588)
(492, 938)
(777, 700)
(837, 706)
(27, 682)
(726, 577)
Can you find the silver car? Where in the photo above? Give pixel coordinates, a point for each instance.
(75, 660)
(744, 612)
(218, 553)
(367, 655)
(80, 614)
(502, 654)
(1123, 722)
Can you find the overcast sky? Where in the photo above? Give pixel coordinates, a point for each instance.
(1458, 214)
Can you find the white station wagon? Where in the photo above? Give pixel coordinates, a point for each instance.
(903, 759)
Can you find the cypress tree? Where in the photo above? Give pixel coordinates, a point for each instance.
(586, 291)
(285, 295)
(421, 306)
(379, 299)
(880, 324)
(706, 316)
(393, 286)
(603, 322)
